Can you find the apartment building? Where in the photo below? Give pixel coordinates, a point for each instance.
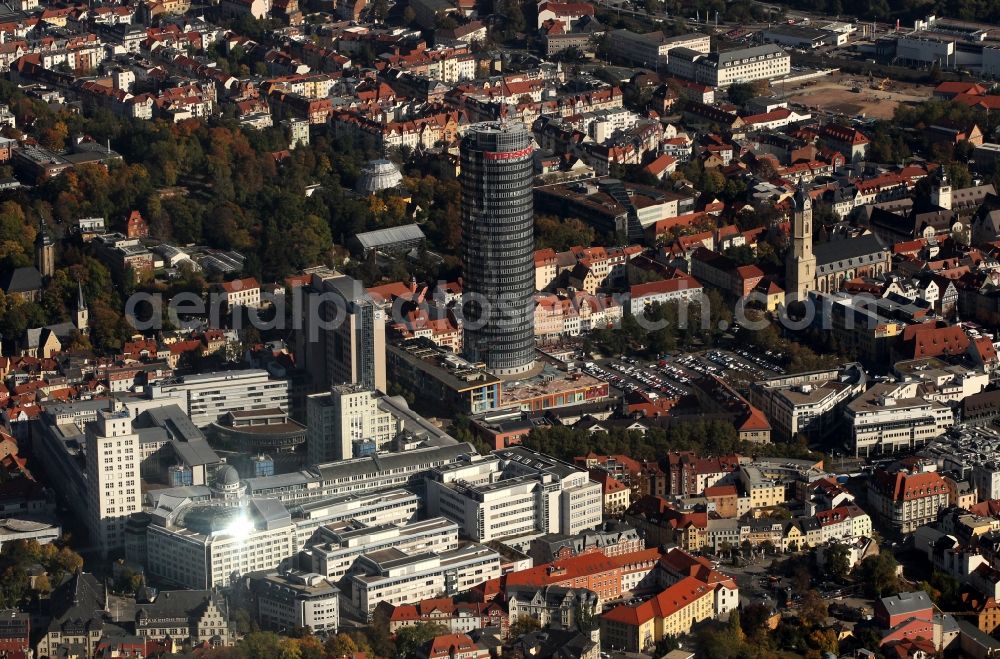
(843, 523)
(681, 290)
(512, 493)
(612, 538)
(688, 474)
(209, 396)
(670, 613)
(595, 572)
(113, 478)
(571, 315)
(905, 501)
(396, 577)
(763, 492)
(892, 417)
(335, 547)
(617, 495)
(586, 268)
(286, 600)
(847, 140)
(456, 616)
(721, 69)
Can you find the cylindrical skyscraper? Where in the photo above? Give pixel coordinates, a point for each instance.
(498, 242)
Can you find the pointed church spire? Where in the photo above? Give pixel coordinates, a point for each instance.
(82, 313)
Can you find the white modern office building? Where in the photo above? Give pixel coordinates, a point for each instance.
(396, 577)
(513, 493)
(360, 475)
(285, 600)
(335, 547)
(346, 423)
(96, 452)
(390, 507)
(113, 480)
(892, 417)
(353, 421)
(209, 543)
(342, 340)
(193, 519)
(209, 396)
(809, 403)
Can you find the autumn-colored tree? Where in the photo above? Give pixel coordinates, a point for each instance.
(812, 609)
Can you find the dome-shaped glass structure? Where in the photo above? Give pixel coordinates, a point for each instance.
(378, 175)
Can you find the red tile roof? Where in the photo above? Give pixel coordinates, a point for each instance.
(559, 571)
(932, 340)
(237, 285)
(843, 134)
(670, 601)
(902, 486)
(683, 282)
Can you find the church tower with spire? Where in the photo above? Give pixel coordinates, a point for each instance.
(45, 251)
(82, 313)
(800, 274)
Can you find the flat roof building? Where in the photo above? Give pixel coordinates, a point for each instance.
(515, 492)
(286, 600)
(721, 69)
(393, 576)
(209, 396)
(435, 374)
(652, 50)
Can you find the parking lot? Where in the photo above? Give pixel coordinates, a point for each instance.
(672, 375)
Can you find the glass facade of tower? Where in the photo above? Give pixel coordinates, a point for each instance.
(498, 242)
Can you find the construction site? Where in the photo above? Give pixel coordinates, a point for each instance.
(855, 96)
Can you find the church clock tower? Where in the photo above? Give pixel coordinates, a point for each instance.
(800, 276)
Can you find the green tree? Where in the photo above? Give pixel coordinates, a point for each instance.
(513, 16)
(838, 560)
(735, 625)
(524, 624)
(741, 92)
(261, 645)
(812, 609)
(878, 574)
(943, 589)
(561, 234)
(411, 638)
